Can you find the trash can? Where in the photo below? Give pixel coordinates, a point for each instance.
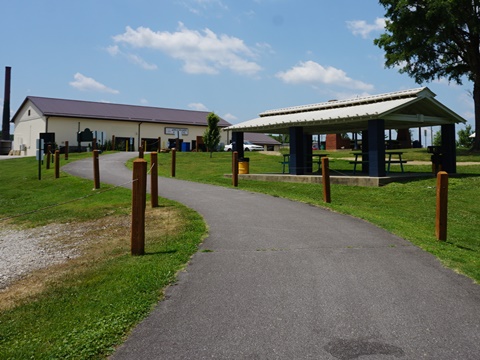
(244, 166)
(436, 158)
(185, 146)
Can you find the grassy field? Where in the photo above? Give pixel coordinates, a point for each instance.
(406, 209)
(83, 308)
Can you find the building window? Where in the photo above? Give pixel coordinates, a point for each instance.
(28, 112)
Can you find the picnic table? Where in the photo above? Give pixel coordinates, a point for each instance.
(315, 159)
(388, 161)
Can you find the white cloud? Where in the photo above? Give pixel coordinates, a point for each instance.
(362, 28)
(229, 117)
(143, 101)
(197, 107)
(114, 50)
(84, 83)
(310, 72)
(198, 7)
(201, 52)
(139, 61)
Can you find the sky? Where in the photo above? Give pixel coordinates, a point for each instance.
(236, 58)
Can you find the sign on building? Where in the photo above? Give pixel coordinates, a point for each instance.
(175, 131)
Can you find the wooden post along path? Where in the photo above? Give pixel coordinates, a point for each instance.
(174, 161)
(96, 170)
(66, 150)
(442, 205)
(139, 195)
(326, 180)
(57, 164)
(154, 179)
(235, 169)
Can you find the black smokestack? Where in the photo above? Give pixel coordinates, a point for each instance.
(6, 106)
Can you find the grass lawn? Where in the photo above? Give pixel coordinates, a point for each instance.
(405, 209)
(84, 307)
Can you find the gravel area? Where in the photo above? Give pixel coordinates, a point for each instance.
(22, 251)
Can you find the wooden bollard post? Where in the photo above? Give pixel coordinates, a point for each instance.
(442, 205)
(139, 191)
(113, 142)
(140, 152)
(235, 169)
(174, 161)
(159, 144)
(326, 180)
(154, 179)
(96, 170)
(57, 164)
(49, 151)
(66, 150)
(94, 144)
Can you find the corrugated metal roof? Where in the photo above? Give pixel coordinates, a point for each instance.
(402, 109)
(108, 111)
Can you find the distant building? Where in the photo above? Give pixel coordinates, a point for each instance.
(128, 125)
(268, 143)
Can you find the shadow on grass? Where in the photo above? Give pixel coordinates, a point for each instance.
(161, 252)
(459, 246)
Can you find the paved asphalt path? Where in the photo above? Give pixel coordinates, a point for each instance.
(287, 280)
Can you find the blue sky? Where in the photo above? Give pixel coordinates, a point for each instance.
(236, 58)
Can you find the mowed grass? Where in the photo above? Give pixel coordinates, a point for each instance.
(406, 209)
(85, 307)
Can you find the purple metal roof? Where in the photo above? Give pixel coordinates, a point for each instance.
(108, 111)
(260, 139)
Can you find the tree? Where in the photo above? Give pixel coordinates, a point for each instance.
(431, 39)
(437, 138)
(211, 136)
(464, 139)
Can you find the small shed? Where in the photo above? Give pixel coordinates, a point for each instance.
(268, 143)
(370, 115)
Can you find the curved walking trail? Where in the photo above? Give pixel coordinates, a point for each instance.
(285, 280)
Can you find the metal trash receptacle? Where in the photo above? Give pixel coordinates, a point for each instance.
(244, 166)
(185, 147)
(436, 158)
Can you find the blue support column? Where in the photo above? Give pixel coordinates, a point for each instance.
(307, 150)
(376, 148)
(365, 148)
(237, 143)
(297, 154)
(449, 156)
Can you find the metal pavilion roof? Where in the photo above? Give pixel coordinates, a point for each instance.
(401, 109)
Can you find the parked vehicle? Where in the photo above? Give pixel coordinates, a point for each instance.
(247, 146)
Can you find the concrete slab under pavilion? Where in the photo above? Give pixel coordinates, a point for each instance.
(370, 115)
(343, 179)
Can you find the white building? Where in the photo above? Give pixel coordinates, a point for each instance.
(129, 125)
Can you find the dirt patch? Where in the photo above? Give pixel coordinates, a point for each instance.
(33, 258)
(275, 153)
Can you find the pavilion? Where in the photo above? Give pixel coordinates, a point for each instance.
(370, 115)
